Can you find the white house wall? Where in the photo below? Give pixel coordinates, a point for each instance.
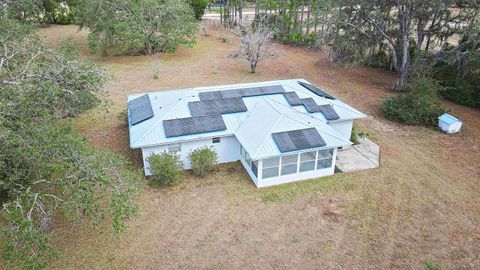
(228, 150)
(344, 128)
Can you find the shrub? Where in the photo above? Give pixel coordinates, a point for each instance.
(420, 105)
(379, 59)
(203, 160)
(166, 168)
(294, 37)
(357, 133)
(432, 266)
(198, 7)
(464, 90)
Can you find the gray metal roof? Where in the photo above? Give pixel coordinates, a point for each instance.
(169, 105)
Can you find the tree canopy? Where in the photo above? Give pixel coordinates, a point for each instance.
(45, 11)
(139, 26)
(46, 168)
(399, 34)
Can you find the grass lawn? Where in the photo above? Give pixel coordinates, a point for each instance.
(421, 205)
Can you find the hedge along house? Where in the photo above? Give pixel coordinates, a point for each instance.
(281, 131)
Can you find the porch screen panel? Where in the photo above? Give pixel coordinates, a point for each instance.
(307, 161)
(289, 164)
(324, 159)
(270, 167)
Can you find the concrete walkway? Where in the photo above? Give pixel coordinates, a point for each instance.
(363, 156)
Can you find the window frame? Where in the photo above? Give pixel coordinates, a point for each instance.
(307, 161)
(283, 165)
(172, 148)
(277, 166)
(322, 158)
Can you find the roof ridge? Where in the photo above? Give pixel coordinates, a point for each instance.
(274, 125)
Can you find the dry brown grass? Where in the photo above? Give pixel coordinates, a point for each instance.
(422, 204)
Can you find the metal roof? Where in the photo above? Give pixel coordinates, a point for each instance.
(167, 105)
(276, 117)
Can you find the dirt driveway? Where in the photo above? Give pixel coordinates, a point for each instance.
(421, 205)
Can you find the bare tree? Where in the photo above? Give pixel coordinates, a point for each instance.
(255, 43)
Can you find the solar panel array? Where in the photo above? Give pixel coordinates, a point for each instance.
(140, 109)
(292, 99)
(193, 125)
(217, 106)
(329, 112)
(327, 109)
(296, 140)
(316, 90)
(244, 92)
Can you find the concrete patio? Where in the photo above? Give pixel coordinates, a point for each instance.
(363, 156)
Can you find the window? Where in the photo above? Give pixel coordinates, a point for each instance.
(325, 153)
(324, 163)
(248, 159)
(255, 168)
(216, 140)
(174, 148)
(307, 161)
(289, 164)
(270, 167)
(324, 159)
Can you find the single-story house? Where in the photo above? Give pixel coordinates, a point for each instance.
(281, 131)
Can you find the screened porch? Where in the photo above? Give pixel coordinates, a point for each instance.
(295, 166)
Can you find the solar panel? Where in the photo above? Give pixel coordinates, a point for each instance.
(310, 105)
(245, 92)
(140, 109)
(210, 95)
(193, 125)
(329, 112)
(252, 91)
(232, 93)
(284, 142)
(218, 106)
(292, 98)
(272, 89)
(316, 90)
(296, 140)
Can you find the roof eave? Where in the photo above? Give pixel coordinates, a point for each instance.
(137, 146)
(301, 151)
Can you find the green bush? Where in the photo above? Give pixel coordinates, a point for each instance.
(461, 78)
(198, 7)
(420, 105)
(379, 59)
(166, 168)
(432, 266)
(203, 160)
(464, 90)
(357, 133)
(312, 40)
(294, 37)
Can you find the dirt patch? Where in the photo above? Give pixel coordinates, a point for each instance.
(422, 204)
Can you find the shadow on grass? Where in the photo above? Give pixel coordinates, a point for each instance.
(239, 187)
